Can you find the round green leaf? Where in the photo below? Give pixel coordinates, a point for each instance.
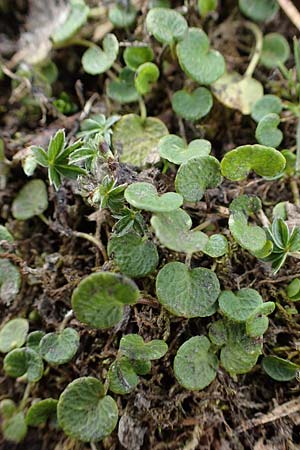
(21, 361)
(31, 200)
(265, 161)
(122, 16)
(187, 292)
(136, 56)
(237, 92)
(143, 195)
(10, 281)
(174, 149)
(266, 105)
(135, 256)
(41, 411)
(280, 369)
(267, 132)
(195, 366)
(99, 299)
(259, 10)
(33, 339)
(84, 413)
(197, 175)
(134, 347)
(122, 89)
(250, 237)
(293, 291)
(192, 106)
(13, 334)
(122, 377)
(197, 60)
(7, 408)
(240, 306)
(76, 18)
(146, 75)
(216, 246)
(166, 25)
(59, 348)
(15, 428)
(136, 140)
(275, 51)
(96, 60)
(173, 231)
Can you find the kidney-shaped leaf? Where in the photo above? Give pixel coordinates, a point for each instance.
(275, 50)
(197, 175)
(99, 299)
(259, 10)
(267, 132)
(76, 18)
(187, 292)
(145, 76)
(136, 56)
(166, 25)
(96, 60)
(265, 161)
(195, 366)
(241, 305)
(136, 140)
(266, 105)
(134, 347)
(24, 361)
(135, 256)
(216, 246)
(174, 149)
(197, 60)
(41, 411)
(59, 348)
(122, 89)
(143, 195)
(192, 105)
(280, 369)
(30, 201)
(13, 334)
(122, 16)
(122, 377)
(14, 428)
(84, 413)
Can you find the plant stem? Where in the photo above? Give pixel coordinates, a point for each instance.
(66, 319)
(44, 219)
(143, 110)
(188, 260)
(258, 48)
(297, 165)
(93, 446)
(95, 241)
(295, 191)
(74, 41)
(25, 396)
(202, 225)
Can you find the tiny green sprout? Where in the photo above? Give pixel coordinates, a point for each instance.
(34, 338)
(293, 290)
(192, 106)
(239, 352)
(266, 105)
(122, 16)
(56, 159)
(24, 361)
(195, 365)
(64, 104)
(122, 89)
(265, 161)
(259, 10)
(174, 149)
(134, 347)
(238, 92)
(76, 19)
(84, 412)
(197, 60)
(136, 139)
(31, 200)
(99, 299)
(135, 256)
(129, 221)
(10, 277)
(96, 60)
(13, 334)
(197, 175)
(59, 348)
(110, 195)
(136, 56)
(146, 75)
(187, 292)
(144, 196)
(14, 428)
(275, 51)
(122, 377)
(98, 125)
(207, 6)
(166, 25)
(40, 411)
(280, 369)
(267, 132)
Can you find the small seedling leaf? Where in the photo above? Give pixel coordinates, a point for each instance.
(76, 18)
(259, 10)
(207, 6)
(192, 106)
(24, 361)
(195, 366)
(146, 75)
(136, 140)
(275, 51)
(33, 339)
(7, 408)
(136, 56)
(60, 347)
(197, 60)
(30, 201)
(267, 132)
(265, 161)
(257, 326)
(41, 411)
(144, 196)
(166, 25)
(293, 290)
(134, 347)
(280, 369)
(15, 428)
(13, 334)
(84, 413)
(135, 256)
(10, 281)
(122, 89)
(122, 16)
(266, 105)
(100, 298)
(174, 149)
(187, 292)
(250, 237)
(217, 246)
(241, 305)
(96, 60)
(197, 175)
(122, 377)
